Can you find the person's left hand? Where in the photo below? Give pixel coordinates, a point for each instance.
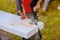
(36, 7)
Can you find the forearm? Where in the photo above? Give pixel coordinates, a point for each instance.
(39, 2)
(18, 5)
(23, 11)
(37, 6)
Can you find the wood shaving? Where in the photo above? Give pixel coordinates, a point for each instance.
(12, 24)
(25, 24)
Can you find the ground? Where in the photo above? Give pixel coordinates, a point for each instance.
(51, 18)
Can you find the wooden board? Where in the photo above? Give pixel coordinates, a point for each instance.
(13, 24)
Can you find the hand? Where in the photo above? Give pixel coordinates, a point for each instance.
(22, 14)
(36, 7)
(27, 16)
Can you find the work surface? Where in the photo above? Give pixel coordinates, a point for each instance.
(13, 24)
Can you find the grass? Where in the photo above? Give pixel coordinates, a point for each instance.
(8, 6)
(51, 18)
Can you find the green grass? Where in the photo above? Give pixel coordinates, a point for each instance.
(8, 6)
(51, 18)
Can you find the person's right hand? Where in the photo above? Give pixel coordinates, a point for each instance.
(22, 14)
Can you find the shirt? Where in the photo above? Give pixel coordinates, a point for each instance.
(26, 5)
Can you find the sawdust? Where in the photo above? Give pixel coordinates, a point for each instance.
(27, 25)
(12, 24)
(24, 24)
(31, 23)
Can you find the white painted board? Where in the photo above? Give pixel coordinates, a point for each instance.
(13, 24)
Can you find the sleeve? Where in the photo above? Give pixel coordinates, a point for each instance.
(33, 3)
(18, 5)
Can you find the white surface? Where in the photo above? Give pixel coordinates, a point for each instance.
(40, 25)
(13, 24)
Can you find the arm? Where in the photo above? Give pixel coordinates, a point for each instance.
(20, 8)
(39, 1)
(18, 5)
(37, 5)
(24, 11)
